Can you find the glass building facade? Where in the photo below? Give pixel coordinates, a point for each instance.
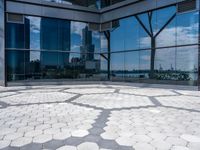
(155, 46)
(46, 48)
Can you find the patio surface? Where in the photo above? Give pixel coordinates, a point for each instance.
(99, 117)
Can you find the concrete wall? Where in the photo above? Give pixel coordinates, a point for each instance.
(2, 49)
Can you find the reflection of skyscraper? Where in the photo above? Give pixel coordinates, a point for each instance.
(87, 51)
(55, 35)
(87, 48)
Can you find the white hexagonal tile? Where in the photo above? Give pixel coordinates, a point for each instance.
(191, 138)
(80, 133)
(179, 148)
(12, 136)
(109, 135)
(67, 148)
(61, 135)
(21, 142)
(4, 143)
(143, 146)
(88, 146)
(33, 133)
(125, 141)
(43, 138)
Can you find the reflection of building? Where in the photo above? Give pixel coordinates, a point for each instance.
(87, 48)
(134, 42)
(87, 51)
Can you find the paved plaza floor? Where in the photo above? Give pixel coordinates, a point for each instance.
(99, 117)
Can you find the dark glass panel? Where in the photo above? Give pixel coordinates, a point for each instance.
(187, 64)
(65, 68)
(33, 65)
(15, 62)
(15, 35)
(49, 64)
(58, 38)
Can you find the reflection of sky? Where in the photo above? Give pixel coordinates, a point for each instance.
(131, 60)
(182, 30)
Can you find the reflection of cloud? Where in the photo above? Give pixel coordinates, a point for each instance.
(34, 56)
(145, 58)
(104, 43)
(169, 36)
(35, 24)
(77, 27)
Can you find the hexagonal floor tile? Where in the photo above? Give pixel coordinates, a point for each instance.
(21, 142)
(67, 148)
(88, 146)
(43, 138)
(80, 133)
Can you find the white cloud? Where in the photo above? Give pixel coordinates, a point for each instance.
(77, 27)
(34, 24)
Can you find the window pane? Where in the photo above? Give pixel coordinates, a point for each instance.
(33, 65)
(131, 65)
(131, 34)
(77, 30)
(59, 39)
(187, 28)
(117, 66)
(165, 64)
(34, 32)
(117, 37)
(49, 64)
(15, 35)
(145, 57)
(15, 65)
(187, 64)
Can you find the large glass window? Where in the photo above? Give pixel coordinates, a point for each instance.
(117, 66)
(187, 64)
(46, 48)
(15, 65)
(187, 28)
(157, 35)
(132, 65)
(165, 64)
